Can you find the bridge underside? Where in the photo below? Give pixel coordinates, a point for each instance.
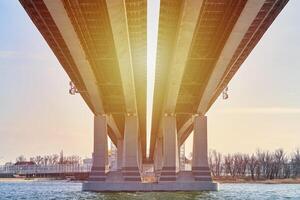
(219, 40)
(101, 44)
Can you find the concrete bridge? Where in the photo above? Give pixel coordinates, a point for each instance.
(101, 44)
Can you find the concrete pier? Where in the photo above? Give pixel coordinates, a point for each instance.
(131, 158)
(149, 187)
(200, 166)
(158, 156)
(169, 178)
(170, 150)
(98, 172)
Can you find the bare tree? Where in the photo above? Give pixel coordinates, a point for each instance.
(296, 163)
(228, 165)
(38, 160)
(262, 164)
(279, 158)
(286, 168)
(253, 163)
(46, 160)
(244, 164)
(211, 163)
(236, 164)
(215, 162)
(21, 158)
(218, 162)
(54, 159)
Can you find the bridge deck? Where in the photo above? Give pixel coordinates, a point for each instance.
(81, 35)
(225, 34)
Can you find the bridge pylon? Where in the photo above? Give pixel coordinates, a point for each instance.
(166, 158)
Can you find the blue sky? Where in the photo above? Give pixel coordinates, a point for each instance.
(38, 116)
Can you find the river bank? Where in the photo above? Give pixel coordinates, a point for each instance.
(260, 181)
(219, 180)
(28, 179)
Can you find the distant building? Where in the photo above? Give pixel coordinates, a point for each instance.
(112, 157)
(182, 157)
(87, 161)
(8, 164)
(25, 163)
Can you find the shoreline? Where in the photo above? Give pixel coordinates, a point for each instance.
(219, 180)
(260, 181)
(22, 179)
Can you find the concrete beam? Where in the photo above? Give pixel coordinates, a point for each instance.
(118, 20)
(111, 122)
(186, 28)
(243, 23)
(185, 127)
(63, 23)
(186, 134)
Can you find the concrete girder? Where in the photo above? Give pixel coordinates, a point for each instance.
(186, 28)
(111, 122)
(63, 23)
(247, 16)
(185, 130)
(243, 23)
(118, 20)
(136, 11)
(241, 28)
(185, 134)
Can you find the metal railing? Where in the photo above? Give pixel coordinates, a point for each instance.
(42, 169)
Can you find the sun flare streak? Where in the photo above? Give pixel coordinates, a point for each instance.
(152, 32)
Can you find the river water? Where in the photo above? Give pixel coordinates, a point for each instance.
(41, 190)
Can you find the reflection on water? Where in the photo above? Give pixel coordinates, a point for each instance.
(67, 190)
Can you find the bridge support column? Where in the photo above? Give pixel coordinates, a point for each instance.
(131, 147)
(120, 154)
(170, 150)
(140, 155)
(200, 166)
(158, 154)
(100, 149)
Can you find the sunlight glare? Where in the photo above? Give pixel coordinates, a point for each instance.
(152, 33)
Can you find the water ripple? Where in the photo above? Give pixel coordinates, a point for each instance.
(52, 190)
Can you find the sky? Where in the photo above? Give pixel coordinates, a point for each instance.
(38, 116)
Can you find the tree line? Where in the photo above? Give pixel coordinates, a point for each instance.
(53, 159)
(260, 165)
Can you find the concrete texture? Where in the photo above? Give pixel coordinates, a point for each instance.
(158, 157)
(131, 147)
(115, 183)
(200, 166)
(170, 150)
(149, 187)
(100, 149)
(120, 154)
